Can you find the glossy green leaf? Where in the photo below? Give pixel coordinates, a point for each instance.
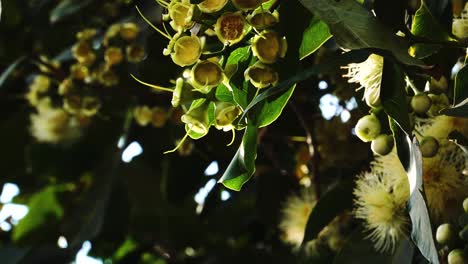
(223, 94)
(393, 94)
(67, 8)
(355, 27)
(460, 90)
(45, 210)
(426, 25)
(459, 110)
(9, 70)
(238, 59)
(315, 35)
(330, 204)
(242, 166)
(272, 109)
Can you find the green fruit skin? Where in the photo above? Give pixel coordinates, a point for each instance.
(368, 128)
(382, 145)
(429, 146)
(465, 205)
(457, 256)
(420, 103)
(445, 234)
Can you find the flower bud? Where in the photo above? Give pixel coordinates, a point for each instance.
(142, 115)
(231, 28)
(79, 72)
(225, 114)
(439, 102)
(421, 103)
(445, 234)
(183, 93)
(368, 128)
(205, 75)
(159, 117)
(86, 34)
(261, 75)
(211, 6)
(382, 145)
(135, 53)
(263, 19)
(129, 31)
(429, 146)
(181, 13)
(245, 5)
(268, 47)
(197, 119)
(107, 77)
(457, 256)
(438, 86)
(113, 55)
(184, 50)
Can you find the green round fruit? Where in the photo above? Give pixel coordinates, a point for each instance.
(368, 128)
(465, 205)
(445, 234)
(382, 145)
(457, 256)
(429, 146)
(420, 103)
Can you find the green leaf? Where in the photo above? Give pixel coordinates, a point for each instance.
(355, 27)
(352, 56)
(239, 59)
(67, 8)
(315, 35)
(45, 210)
(328, 207)
(393, 94)
(272, 109)
(242, 166)
(223, 94)
(426, 25)
(460, 90)
(360, 250)
(421, 231)
(8, 71)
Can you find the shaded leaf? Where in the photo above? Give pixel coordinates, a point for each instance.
(393, 95)
(45, 210)
(460, 90)
(360, 250)
(67, 8)
(242, 166)
(391, 13)
(8, 71)
(426, 25)
(421, 231)
(315, 35)
(459, 110)
(331, 204)
(355, 27)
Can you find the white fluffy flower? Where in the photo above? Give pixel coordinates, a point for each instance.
(53, 125)
(295, 215)
(369, 75)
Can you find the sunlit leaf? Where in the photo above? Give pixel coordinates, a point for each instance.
(426, 25)
(242, 166)
(315, 35)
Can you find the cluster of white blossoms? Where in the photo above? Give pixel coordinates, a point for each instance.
(381, 194)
